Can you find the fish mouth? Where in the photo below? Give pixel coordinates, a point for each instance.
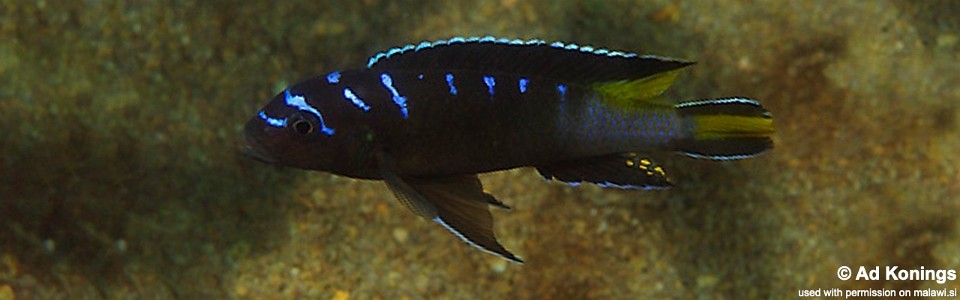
(256, 150)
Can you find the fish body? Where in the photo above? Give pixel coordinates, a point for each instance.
(427, 118)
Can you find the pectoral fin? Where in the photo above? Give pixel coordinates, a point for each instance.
(626, 171)
(457, 203)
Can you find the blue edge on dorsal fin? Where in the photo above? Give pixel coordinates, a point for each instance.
(503, 41)
(563, 62)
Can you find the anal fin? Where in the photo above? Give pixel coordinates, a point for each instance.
(625, 171)
(457, 203)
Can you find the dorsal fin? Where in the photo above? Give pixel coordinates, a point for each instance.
(565, 62)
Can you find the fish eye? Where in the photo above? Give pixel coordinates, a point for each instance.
(302, 127)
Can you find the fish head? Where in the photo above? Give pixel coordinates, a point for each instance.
(289, 132)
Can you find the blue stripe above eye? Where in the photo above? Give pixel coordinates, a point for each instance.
(299, 102)
(453, 89)
(275, 122)
(490, 82)
(523, 85)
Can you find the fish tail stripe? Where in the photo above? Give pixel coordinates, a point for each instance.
(731, 126)
(733, 106)
(724, 149)
(512, 42)
(720, 101)
(725, 129)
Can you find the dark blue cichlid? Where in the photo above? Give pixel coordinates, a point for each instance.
(428, 118)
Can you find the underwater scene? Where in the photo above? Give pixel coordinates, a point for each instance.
(506, 149)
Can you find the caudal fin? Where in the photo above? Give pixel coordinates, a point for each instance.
(725, 129)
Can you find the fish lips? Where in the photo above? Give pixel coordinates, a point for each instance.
(256, 150)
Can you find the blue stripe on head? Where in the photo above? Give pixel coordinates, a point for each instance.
(299, 102)
(275, 122)
(347, 93)
(453, 89)
(523, 85)
(333, 77)
(401, 101)
(490, 82)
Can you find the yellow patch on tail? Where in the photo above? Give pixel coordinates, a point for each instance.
(731, 126)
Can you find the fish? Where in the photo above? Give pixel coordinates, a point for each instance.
(428, 118)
